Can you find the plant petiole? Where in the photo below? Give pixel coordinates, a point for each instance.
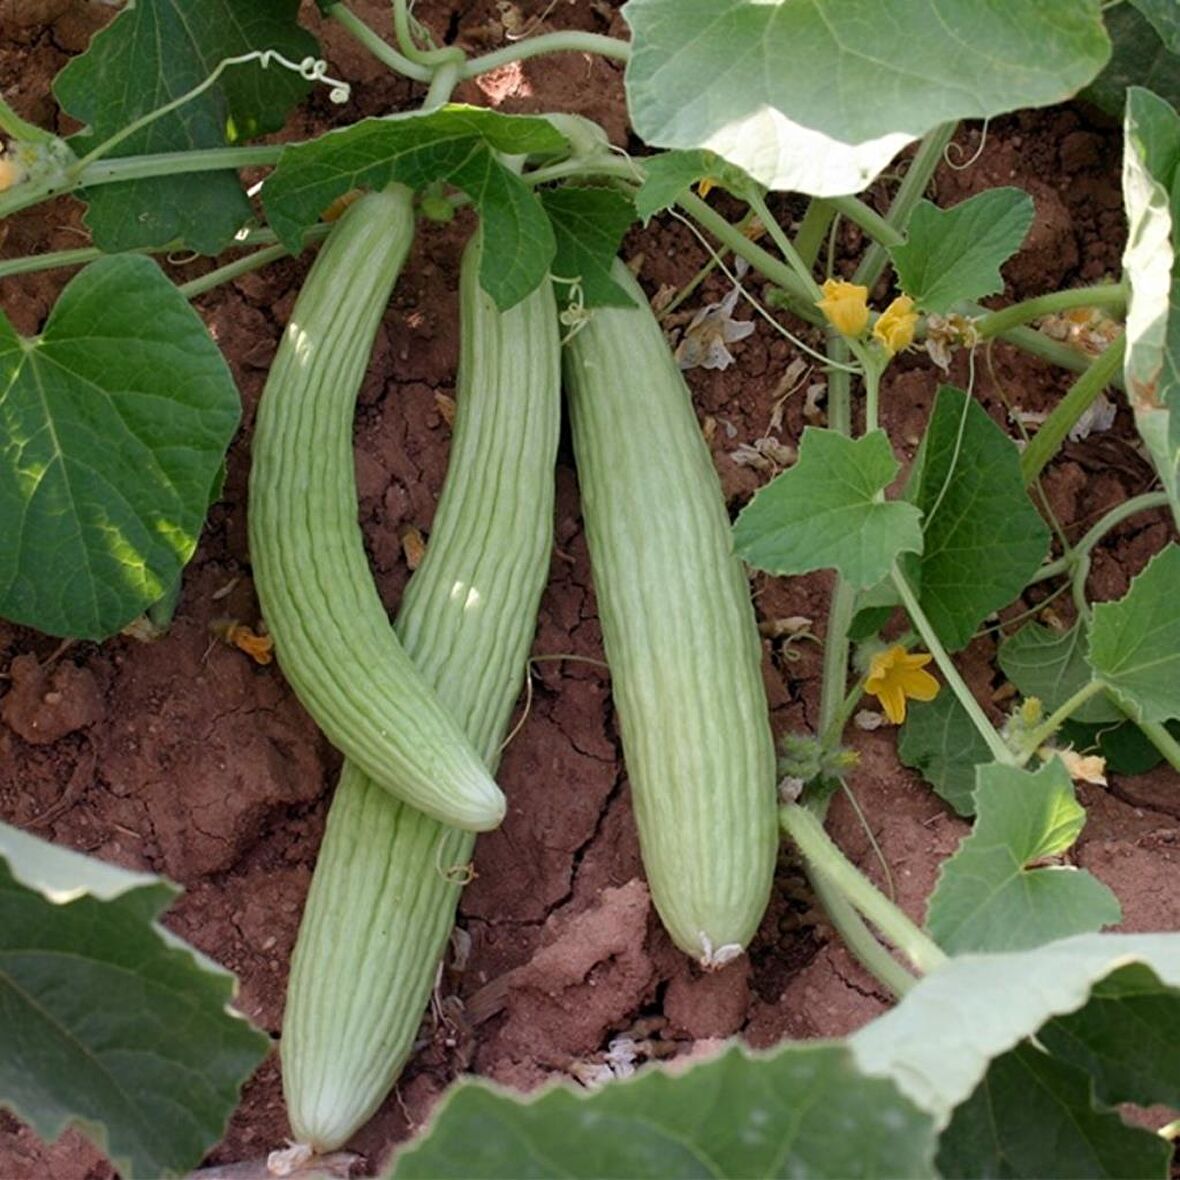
(856, 936)
(232, 270)
(1105, 295)
(876, 226)
(1034, 740)
(445, 79)
(21, 130)
(1160, 737)
(1053, 432)
(403, 27)
(819, 849)
(987, 731)
(909, 192)
(1111, 520)
(813, 229)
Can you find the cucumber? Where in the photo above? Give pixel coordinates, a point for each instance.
(388, 878)
(679, 631)
(332, 635)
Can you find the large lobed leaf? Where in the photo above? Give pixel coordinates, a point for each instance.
(823, 512)
(818, 95)
(801, 1111)
(954, 254)
(106, 1020)
(153, 52)
(456, 144)
(1135, 642)
(994, 894)
(115, 421)
(983, 539)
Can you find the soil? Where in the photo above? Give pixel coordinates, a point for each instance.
(186, 758)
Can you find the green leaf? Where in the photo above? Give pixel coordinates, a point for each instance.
(940, 741)
(1127, 1039)
(106, 1020)
(588, 225)
(151, 53)
(937, 1042)
(823, 513)
(983, 538)
(669, 174)
(1151, 193)
(1164, 16)
(114, 423)
(456, 144)
(801, 1111)
(1135, 642)
(1034, 1116)
(955, 254)
(1052, 666)
(990, 895)
(817, 97)
(1138, 58)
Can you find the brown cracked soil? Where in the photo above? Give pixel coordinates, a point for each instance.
(186, 758)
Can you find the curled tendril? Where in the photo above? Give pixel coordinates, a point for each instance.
(314, 69)
(576, 315)
(963, 164)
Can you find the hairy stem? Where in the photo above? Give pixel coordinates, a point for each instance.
(818, 848)
(402, 27)
(20, 129)
(813, 229)
(922, 625)
(1160, 737)
(1106, 295)
(1046, 442)
(232, 270)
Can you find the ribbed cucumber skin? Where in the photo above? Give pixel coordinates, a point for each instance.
(332, 635)
(381, 908)
(679, 632)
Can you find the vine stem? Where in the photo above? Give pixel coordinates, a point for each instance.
(410, 47)
(909, 192)
(987, 731)
(819, 849)
(813, 229)
(877, 227)
(856, 936)
(444, 81)
(1112, 519)
(1043, 732)
(21, 129)
(378, 46)
(1046, 442)
(1109, 295)
(569, 42)
(232, 270)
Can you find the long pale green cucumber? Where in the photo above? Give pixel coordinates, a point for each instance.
(388, 878)
(332, 635)
(679, 632)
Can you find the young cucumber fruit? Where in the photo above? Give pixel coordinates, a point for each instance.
(331, 632)
(382, 901)
(679, 632)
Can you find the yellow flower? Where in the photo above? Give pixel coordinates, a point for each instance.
(895, 325)
(706, 185)
(845, 305)
(894, 675)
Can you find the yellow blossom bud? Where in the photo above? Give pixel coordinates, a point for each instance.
(845, 305)
(895, 325)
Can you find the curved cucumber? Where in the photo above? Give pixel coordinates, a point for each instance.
(331, 632)
(382, 901)
(679, 632)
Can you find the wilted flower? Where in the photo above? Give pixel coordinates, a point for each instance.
(895, 325)
(894, 675)
(845, 305)
(712, 328)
